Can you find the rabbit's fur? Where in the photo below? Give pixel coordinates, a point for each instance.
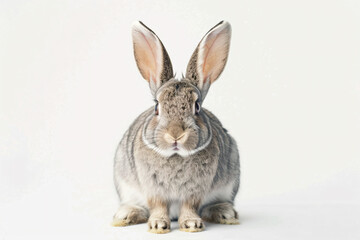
(177, 161)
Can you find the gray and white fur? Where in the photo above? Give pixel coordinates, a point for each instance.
(176, 161)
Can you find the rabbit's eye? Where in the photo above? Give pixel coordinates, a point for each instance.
(157, 108)
(197, 107)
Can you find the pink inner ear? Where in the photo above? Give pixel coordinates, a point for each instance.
(213, 53)
(209, 56)
(150, 59)
(147, 50)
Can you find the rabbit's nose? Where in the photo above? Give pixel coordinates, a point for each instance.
(178, 138)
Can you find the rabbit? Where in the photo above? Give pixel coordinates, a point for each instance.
(176, 161)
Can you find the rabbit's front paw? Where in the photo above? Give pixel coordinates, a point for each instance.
(192, 225)
(159, 225)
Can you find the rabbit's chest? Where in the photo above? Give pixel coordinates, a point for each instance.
(176, 177)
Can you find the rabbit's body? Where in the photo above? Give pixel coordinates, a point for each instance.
(176, 160)
(212, 172)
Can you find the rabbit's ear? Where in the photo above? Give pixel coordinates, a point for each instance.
(210, 56)
(151, 56)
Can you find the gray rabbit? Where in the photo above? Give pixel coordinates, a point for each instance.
(176, 161)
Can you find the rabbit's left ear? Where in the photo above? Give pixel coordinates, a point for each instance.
(151, 57)
(210, 56)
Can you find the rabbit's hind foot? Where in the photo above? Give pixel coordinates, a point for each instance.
(129, 215)
(223, 213)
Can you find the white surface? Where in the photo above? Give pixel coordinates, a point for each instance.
(290, 95)
(328, 222)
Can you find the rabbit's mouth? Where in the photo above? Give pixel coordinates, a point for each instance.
(175, 146)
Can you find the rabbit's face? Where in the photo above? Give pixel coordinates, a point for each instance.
(177, 126)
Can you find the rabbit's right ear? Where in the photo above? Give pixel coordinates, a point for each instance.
(151, 57)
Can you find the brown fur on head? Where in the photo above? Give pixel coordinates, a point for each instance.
(178, 126)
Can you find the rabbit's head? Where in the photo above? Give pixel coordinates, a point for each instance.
(178, 124)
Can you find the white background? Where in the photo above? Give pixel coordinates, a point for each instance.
(290, 95)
